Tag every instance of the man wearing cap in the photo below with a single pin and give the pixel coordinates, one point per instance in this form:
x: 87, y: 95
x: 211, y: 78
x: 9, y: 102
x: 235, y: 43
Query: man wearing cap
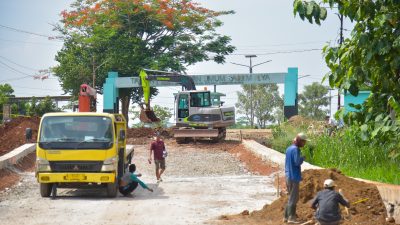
x: 157, y: 147
x: 293, y: 163
x: 327, y: 204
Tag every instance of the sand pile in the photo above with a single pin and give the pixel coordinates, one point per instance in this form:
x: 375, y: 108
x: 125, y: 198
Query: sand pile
x: 369, y: 212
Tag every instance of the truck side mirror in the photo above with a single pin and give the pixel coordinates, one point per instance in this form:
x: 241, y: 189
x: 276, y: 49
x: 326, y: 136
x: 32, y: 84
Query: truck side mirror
x: 122, y: 134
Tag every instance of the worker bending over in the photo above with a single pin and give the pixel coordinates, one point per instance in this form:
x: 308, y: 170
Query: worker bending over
x: 327, y: 204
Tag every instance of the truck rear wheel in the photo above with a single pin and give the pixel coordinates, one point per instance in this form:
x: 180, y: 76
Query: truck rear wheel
x: 112, y: 189
x: 45, y: 189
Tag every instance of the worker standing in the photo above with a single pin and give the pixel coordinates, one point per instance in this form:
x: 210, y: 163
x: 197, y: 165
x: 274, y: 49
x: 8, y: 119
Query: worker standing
x: 327, y: 204
x: 293, y: 163
x: 159, y: 151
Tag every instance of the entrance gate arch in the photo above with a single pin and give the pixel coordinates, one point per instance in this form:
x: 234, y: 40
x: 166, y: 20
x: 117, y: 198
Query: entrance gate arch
x: 289, y: 79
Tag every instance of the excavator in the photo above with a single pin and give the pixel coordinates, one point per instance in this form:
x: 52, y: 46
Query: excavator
x: 194, y: 114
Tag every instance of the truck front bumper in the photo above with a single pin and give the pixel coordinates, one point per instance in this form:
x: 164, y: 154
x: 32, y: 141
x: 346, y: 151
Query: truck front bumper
x: 76, y: 177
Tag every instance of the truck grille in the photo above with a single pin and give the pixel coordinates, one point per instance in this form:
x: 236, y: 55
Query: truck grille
x: 62, y: 166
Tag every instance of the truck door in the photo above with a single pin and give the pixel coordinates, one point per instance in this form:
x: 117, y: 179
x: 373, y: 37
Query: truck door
x: 183, y: 106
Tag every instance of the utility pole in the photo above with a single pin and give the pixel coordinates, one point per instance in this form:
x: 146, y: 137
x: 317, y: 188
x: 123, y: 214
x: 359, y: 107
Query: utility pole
x: 251, y: 92
x: 340, y: 44
x: 251, y: 86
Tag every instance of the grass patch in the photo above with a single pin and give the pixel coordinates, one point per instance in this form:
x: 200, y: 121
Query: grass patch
x: 345, y: 152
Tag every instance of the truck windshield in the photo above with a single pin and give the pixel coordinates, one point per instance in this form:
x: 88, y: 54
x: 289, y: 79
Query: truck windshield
x: 200, y: 99
x: 76, y: 132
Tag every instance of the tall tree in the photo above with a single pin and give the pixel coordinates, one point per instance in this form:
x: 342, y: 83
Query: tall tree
x: 266, y: 101
x: 128, y: 35
x: 370, y: 56
x: 312, y: 101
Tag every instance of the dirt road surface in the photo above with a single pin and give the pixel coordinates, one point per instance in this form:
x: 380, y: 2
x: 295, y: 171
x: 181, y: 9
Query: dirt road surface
x: 201, y: 183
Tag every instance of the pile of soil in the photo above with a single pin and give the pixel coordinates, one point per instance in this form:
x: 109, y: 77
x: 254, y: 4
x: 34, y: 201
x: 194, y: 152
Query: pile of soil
x: 9, y: 177
x: 12, y: 134
x: 144, y: 135
x: 369, y: 212
x: 251, y: 161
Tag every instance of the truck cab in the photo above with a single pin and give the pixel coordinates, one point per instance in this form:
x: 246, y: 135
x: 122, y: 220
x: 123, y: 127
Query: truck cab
x: 81, y: 149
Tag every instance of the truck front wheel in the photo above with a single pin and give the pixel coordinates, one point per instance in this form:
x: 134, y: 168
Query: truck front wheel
x: 112, y: 189
x: 45, y: 189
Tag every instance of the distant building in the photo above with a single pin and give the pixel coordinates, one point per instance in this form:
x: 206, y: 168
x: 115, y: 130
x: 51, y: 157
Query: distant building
x: 351, y: 99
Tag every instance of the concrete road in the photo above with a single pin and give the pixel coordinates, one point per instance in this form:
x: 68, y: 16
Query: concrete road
x: 176, y: 200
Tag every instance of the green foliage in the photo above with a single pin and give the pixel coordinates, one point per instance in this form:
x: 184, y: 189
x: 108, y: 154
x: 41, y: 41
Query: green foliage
x: 6, y: 92
x: 368, y: 59
x: 265, y: 101
x: 347, y: 152
x: 309, y: 10
x: 39, y: 108
x: 163, y: 113
x: 312, y: 100
x: 241, y: 123
x: 126, y: 36
x: 283, y: 136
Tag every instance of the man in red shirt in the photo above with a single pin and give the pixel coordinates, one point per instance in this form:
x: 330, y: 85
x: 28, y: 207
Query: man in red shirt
x: 159, y: 152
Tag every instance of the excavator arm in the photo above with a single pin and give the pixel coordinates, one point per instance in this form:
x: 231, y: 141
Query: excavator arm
x: 147, y: 115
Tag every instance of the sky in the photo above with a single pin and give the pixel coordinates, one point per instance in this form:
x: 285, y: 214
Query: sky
x: 265, y: 28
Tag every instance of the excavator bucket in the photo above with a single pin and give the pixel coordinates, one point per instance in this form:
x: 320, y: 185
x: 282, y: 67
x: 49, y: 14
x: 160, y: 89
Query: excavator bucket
x: 148, y: 116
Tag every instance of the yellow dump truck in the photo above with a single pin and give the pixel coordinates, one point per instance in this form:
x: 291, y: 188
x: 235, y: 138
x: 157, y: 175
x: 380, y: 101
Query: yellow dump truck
x: 81, y: 149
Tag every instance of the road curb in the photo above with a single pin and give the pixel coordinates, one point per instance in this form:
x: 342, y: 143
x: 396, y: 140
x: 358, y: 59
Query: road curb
x: 388, y: 192
x: 271, y: 155
x: 12, y: 157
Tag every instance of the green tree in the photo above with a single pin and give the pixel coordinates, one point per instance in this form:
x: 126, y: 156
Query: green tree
x: 369, y: 58
x: 126, y: 36
x: 265, y: 102
x: 39, y: 108
x: 241, y: 122
x: 312, y: 101
x: 6, y: 91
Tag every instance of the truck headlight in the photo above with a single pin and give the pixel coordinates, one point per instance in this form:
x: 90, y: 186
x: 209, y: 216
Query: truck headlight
x: 42, y: 165
x: 110, y: 164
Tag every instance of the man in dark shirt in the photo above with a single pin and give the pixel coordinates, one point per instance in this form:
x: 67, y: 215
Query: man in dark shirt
x: 293, y: 163
x: 157, y: 147
x: 327, y: 204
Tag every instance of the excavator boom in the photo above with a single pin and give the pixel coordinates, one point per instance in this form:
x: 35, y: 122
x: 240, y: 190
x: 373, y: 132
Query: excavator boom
x: 147, y: 115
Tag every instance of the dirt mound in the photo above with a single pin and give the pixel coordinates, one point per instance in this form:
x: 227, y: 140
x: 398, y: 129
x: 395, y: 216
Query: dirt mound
x: 144, y: 135
x: 12, y: 134
x: 369, y: 212
x: 299, y: 121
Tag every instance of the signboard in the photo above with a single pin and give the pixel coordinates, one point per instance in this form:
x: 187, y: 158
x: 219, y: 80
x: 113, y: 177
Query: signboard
x: 211, y: 79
